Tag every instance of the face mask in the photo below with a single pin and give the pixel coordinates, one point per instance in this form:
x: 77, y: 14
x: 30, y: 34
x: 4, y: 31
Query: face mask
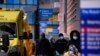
x: 71, y: 52
x: 61, y: 37
x: 75, y: 37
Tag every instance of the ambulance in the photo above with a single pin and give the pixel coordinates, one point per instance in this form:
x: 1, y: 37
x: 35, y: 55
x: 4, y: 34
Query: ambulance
x: 15, y: 33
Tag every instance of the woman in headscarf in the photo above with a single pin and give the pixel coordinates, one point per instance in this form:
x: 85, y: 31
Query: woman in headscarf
x: 73, y: 49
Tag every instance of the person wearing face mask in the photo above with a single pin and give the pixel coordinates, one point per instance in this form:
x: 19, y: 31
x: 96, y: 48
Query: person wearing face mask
x: 75, y: 39
x: 74, y: 44
x: 60, y: 45
x: 72, y: 51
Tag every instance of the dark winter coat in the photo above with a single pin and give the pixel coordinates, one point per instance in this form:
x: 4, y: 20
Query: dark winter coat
x: 60, y: 45
x: 44, y: 47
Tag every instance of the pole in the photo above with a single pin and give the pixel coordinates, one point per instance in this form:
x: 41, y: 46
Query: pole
x: 36, y: 27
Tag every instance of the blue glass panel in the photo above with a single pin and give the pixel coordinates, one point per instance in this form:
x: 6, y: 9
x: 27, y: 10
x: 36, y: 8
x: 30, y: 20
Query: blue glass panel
x: 30, y: 17
x: 28, y: 5
x: 29, y: 1
x: 16, y: 1
x: 35, y: 2
x: 9, y: 1
x: 9, y: 6
x: 22, y: 6
x: 16, y: 6
x: 2, y: 6
x: 32, y: 2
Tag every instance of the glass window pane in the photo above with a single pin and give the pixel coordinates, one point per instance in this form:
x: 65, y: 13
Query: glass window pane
x: 9, y: 6
x: 29, y: 1
x: 28, y: 5
x: 32, y: 2
x: 16, y: 6
x: 30, y: 17
x: 22, y: 6
x: 2, y: 6
x: 35, y: 2
x: 16, y: 1
x: 9, y: 1
x: 23, y: 1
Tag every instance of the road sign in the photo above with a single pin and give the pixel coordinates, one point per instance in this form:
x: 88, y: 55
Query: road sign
x: 54, y: 31
x: 43, y: 24
x: 42, y: 30
x: 90, y: 31
x: 54, y: 18
x: 45, y: 13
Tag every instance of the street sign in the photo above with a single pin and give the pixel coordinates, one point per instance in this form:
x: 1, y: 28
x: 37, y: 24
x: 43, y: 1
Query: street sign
x: 54, y: 18
x: 90, y: 31
x: 54, y: 31
x: 90, y: 27
x: 42, y: 30
x: 45, y: 13
x: 43, y: 24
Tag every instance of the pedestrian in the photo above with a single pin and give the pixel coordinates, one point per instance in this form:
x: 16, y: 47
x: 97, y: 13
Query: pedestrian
x: 52, y: 42
x: 75, y: 39
x: 72, y: 51
x: 44, y: 47
x: 60, y: 45
x: 74, y: 44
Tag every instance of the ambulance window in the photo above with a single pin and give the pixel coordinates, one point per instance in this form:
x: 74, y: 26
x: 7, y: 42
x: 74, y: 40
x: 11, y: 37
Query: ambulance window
x: 8, y: 28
